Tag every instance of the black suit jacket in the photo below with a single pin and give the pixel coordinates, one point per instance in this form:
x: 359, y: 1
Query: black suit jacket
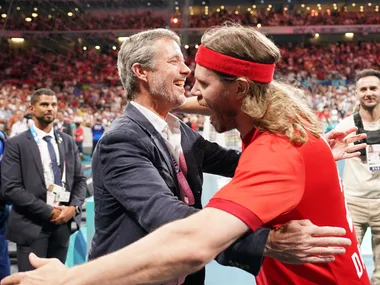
x: 23, y: 184
x: 66, y: 128
x: 136, y: 188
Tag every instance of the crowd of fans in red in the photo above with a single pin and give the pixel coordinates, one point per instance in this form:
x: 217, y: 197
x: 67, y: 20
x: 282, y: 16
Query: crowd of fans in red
x: 272, y: 18
x: 148, y: 19
x: 88, y: 86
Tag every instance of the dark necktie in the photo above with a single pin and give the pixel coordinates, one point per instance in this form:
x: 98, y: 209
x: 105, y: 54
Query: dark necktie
x: 54, y: 163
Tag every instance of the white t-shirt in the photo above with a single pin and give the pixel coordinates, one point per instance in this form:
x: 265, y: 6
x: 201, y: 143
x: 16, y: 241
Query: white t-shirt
x: 358, y: 180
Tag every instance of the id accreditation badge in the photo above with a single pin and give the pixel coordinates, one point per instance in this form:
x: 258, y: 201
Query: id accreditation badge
x: 373, y: 157
x: 64, y: 197
x: 52, y: 195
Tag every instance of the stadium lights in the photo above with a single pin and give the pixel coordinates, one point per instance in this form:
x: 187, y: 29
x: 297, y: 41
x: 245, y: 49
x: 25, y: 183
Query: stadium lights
x: 353, y: 4
x: 316, y: 35
x: 35, y: 9
x: 369, y: 4
x: 122, y: 39
x: 70, y: 14
x: 222, y: 7
x: 28, y: 19
x: 97, y: 47
x: 50, y: 16
x: 18, y: 8
x: 3, y: 16
x: 236, y: 12
x: 259, y: 25
x: 34, y: 15
x: 76, y: 9
x: 218, y: 10
x: 84, y: 48
x: 196, y: 46
x: 114, y: 47
x: 17, y: 40
x: 349, y: 35
x: 186, y: 46
x: 303, y: 5
x: 254, y: 6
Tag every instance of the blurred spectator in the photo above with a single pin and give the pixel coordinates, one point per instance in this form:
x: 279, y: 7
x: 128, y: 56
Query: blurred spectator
x: 61, y: 125
x: 20, y: 125
x: 97, y: 132
x: 79, y: 137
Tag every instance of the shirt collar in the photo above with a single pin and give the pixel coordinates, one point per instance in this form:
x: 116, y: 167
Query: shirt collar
x: 158, y: 123
x: 41, y: 134
x: 250, y: 137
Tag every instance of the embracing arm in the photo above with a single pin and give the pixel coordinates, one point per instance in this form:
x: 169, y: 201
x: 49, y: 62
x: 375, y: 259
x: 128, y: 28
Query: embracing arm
x: 191, y: 106
x: 176, y: 249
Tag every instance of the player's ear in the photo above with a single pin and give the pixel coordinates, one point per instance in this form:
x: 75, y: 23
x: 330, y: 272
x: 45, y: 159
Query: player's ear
x: 242, y: 87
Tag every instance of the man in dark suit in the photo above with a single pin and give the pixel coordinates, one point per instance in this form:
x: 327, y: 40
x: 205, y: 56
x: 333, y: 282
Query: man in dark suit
x: 35, y: 163
x: 62, y: 126
x: 138, y: 169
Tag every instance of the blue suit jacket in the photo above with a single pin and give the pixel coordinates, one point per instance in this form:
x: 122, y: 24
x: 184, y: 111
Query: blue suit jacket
x: 136, y: 188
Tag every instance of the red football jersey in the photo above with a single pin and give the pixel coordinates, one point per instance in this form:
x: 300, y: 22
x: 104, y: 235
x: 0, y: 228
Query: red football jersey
x: 276, y: 182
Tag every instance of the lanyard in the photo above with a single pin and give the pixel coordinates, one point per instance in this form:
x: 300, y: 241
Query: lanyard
x: 38, y: 142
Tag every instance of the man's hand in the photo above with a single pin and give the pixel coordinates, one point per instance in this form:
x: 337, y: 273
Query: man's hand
x: 66, y: 213
x: 49, y: 271
x: 54, y: 213
x: 339, y: 143
x: 299, y: 242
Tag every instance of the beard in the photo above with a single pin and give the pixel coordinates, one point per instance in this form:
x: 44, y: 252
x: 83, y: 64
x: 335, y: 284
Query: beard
x: 45, y: 120
x: 224, y: 123
x: 160, y: 91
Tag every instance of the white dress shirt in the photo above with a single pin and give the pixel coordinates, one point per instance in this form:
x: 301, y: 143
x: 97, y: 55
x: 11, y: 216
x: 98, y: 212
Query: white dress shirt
x: 169, y: 129
x: 45, y: 155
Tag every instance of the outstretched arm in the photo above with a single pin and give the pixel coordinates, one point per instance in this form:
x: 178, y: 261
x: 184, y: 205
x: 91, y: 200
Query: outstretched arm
x: 177, y: 249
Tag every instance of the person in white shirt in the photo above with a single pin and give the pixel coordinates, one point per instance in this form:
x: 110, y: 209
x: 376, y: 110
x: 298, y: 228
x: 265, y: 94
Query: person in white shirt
x: 20, y: 125
x: 361, y: 185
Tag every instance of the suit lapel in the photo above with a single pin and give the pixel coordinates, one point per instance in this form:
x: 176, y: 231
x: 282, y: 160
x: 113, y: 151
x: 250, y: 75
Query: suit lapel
x: 187, y: 148
x: 134, y: 114
x: 36, y: 156
x: 61, y: 148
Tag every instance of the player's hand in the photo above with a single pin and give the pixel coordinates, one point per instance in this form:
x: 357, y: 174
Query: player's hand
x: 48, y: 271
x: 340, y: 143
x: 299, y: 242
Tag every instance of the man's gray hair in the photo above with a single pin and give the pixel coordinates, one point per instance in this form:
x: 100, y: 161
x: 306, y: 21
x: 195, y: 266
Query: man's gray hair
x: 140, y: 48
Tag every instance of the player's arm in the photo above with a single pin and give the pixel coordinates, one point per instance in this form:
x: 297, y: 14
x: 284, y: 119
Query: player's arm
x: 176, y: 249
x: 191, y: 106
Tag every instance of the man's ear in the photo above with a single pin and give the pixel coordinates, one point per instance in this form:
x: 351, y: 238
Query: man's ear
x: 140, y: 72
x: 242, y: 87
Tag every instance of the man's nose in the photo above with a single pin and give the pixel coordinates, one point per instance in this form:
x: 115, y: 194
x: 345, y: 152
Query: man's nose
x: 185, y: 69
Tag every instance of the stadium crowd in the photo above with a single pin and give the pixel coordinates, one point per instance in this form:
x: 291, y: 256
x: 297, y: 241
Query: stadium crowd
x: 88, y: 86
x: 143, y: 20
